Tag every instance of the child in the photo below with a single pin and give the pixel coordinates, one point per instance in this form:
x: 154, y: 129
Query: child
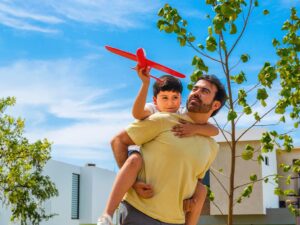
x: 166, y: 98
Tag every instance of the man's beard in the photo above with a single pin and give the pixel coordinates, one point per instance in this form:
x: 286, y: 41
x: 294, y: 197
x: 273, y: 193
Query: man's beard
x: 199, y: 106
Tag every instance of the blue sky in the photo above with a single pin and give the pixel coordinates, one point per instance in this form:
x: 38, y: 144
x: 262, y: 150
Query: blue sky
x: 70, y: 90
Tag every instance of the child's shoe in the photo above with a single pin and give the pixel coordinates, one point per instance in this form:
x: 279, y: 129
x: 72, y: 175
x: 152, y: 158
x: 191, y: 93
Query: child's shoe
x: 105, y: 220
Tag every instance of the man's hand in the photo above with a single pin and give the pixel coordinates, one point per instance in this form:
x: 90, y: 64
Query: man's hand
x: 142, y: 189
x: 185, y: 129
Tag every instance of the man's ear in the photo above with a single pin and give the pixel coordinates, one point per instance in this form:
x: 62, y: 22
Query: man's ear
x: 154, y: 100
x: 216, y: 105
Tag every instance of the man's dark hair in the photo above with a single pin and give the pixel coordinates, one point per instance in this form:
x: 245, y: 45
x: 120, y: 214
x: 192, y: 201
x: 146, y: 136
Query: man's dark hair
x: 220, y: 95
x: 167, y: 83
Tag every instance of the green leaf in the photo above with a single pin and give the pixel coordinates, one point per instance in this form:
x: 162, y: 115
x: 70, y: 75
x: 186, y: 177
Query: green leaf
x: 245, y: 58
x: 247, y: 191
x: 260, y: 158
x: 256, y: 3
x: 233, y: 29
x: 275, y: 42
x: 256, y: 116
x: 278, y: 191
x: 200, y: 46
x: 262, y: 94
x: 211, y: 44
x: 247, y: 110
x: 210, y: 31
x: 161, y: 12
x: 253, y: 177
x: 231, y: 115
x: 227, y: 10
x: 266, y: 12
x: 223, y: 45
x: 191, y: 39
x: 247, y: 155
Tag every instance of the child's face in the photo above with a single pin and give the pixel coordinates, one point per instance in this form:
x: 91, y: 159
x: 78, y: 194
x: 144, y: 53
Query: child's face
x: 167, y: 101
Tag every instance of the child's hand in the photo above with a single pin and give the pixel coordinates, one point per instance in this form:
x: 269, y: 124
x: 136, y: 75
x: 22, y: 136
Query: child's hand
x: 142, y: 189
x: 189, y: 204
x: 143, y: 74
x: 185, y: 129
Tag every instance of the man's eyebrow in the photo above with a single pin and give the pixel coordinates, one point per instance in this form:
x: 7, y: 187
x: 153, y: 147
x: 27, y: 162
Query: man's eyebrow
x: 204, y: 88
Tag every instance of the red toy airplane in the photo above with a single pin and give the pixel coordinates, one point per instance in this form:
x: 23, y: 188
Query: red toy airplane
x: 140, y: 57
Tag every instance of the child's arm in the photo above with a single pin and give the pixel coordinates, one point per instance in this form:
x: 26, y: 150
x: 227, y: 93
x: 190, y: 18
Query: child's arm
x: 138, y: 110
x: 187, y: 129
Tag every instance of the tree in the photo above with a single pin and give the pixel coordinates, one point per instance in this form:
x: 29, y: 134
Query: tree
x: 23, y: 187
x: 229, y: 19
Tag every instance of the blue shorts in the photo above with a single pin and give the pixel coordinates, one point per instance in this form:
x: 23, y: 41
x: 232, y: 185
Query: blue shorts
x: 133, y: 149
x: 131, y: 216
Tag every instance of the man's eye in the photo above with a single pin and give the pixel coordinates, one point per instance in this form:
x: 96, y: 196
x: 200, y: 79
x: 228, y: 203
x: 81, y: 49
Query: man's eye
x: 205, y: 91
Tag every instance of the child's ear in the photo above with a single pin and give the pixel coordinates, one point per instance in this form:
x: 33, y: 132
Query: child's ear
x: 154, y: 100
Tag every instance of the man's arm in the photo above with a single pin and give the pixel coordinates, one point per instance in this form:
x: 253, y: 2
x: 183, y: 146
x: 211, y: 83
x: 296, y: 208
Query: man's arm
x: 194, y: 205
x: 119, y: 145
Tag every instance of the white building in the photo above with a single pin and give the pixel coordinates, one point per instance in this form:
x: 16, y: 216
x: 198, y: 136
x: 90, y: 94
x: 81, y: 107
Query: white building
x: 83, y: 192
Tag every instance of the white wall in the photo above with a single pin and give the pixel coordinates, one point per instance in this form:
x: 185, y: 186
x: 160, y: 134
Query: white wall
x: 61, y: 175
x: 95, y: 186
x: 100, y: 182
x: 270, y: 200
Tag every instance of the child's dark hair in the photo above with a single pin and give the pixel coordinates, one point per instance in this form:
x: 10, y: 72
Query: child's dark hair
x: 167, y: 83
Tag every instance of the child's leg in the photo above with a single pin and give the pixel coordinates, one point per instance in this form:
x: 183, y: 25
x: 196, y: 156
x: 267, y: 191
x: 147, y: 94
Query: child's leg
x: 124, y: 180
x: 192, y: 217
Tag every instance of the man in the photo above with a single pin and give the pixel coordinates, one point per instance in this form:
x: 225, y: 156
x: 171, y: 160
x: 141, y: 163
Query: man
x: 172, y: 165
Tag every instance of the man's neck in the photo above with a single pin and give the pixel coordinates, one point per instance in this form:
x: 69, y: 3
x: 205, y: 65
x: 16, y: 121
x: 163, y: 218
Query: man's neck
x: 200, y: 118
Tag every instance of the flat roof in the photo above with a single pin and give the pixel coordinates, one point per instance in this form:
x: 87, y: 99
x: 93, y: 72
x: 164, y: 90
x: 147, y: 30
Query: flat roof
x: 253, y: 134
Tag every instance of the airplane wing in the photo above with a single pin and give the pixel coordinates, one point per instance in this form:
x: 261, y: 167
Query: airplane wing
x: 164, y: 69
x: 149, y: 62
x: 121, y: 53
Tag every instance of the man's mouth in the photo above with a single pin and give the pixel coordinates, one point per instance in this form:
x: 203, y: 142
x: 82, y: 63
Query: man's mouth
x: 195, y: 99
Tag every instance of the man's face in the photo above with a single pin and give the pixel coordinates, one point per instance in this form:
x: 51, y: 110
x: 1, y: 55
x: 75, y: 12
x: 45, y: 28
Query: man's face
x: 167, y: 101
x: 201, y: 98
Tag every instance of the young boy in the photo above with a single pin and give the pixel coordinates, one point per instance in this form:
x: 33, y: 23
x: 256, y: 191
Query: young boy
x: 166, y: 98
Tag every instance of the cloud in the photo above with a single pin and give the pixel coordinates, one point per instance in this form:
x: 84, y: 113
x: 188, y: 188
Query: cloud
x: 36, y: 15
x: 59, y: 104
x: 26, y: 19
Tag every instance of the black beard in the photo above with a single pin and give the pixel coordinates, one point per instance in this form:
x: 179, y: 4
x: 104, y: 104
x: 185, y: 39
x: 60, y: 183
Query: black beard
x: 200, y: 107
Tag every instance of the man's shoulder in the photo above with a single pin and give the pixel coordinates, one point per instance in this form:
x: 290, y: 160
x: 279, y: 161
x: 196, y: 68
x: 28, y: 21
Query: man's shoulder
x: 161, y: 116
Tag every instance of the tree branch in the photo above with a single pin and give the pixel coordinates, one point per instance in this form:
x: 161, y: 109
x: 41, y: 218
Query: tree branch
x: 220, y: 183
x: 222, y: 131
x: 220, y: 54
x: 249, y: 128
x: 202, y: 53
x: 217, y: 207
x: 235, y: 65
x: 252, y: 182
x: 244, y: 27
x: 248, y: 91
x: 211, y: 168
x: 240, y: 116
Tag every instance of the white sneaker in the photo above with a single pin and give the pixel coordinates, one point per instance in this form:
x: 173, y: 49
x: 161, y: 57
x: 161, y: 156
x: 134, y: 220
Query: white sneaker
x: 105, y: 220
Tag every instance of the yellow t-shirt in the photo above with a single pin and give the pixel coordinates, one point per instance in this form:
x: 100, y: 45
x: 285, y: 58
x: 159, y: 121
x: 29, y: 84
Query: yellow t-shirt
x: 172, y: 165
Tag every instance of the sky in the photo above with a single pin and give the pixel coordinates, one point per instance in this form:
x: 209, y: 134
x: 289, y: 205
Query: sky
x: 73, y: 92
